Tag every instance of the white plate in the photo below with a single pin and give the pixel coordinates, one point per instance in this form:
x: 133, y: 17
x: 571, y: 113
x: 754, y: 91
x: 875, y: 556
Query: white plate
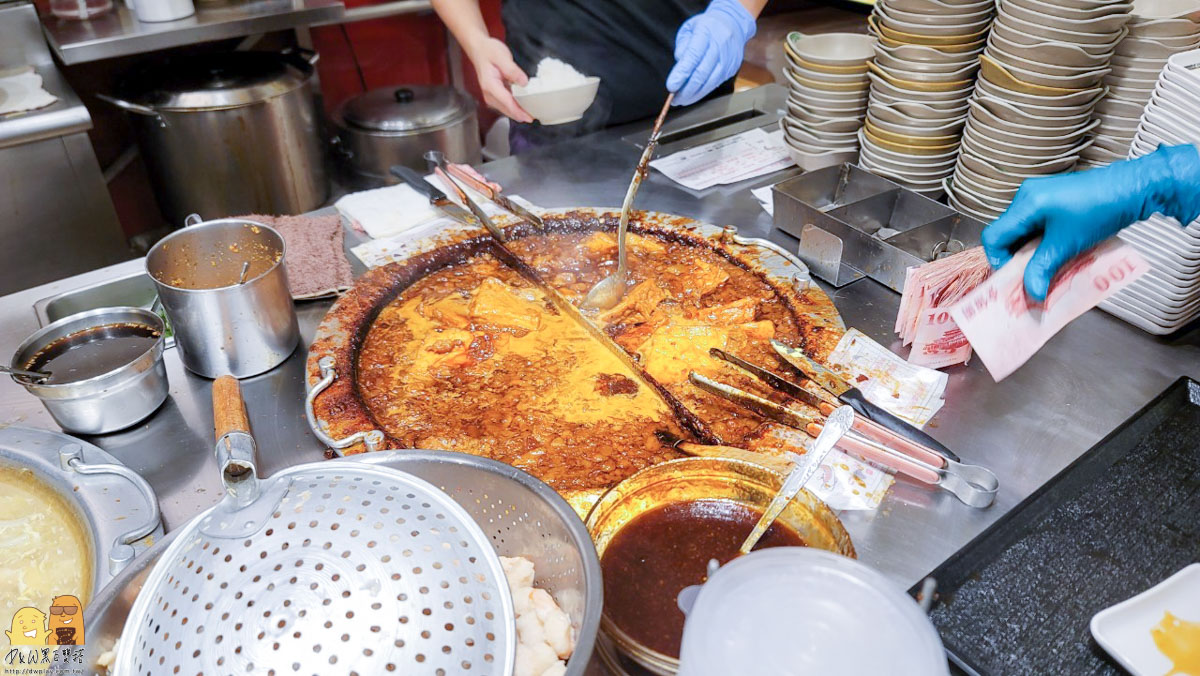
x: 1132, y: 318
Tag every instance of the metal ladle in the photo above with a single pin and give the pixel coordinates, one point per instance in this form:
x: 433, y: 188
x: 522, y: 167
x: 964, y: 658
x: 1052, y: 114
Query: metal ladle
x: 609, y: 291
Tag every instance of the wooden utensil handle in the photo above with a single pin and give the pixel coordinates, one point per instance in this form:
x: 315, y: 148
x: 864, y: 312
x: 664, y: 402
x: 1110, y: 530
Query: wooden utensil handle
x: 229, y: 411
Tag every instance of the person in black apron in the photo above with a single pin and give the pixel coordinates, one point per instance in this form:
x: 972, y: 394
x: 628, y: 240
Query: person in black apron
x: 640, y: 49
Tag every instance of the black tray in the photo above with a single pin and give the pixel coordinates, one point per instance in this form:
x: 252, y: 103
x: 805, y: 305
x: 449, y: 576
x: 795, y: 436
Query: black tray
x: 1120, y: 519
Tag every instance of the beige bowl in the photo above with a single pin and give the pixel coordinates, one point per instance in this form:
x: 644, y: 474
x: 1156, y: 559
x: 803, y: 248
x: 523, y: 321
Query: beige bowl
x: 933, y: 24
x: 813, y: 159
x: 955, y: 95
x: 927, y: 56
x: 919, y: 172
x: 885, y: 60
x: 1016, y: 114
x: 948, y: 130
x: 930, y: 160
x: 1020, y: 59
x: 819, y: 139
x: 955, y: 40
x: 843, y: 50
x: 1125, y: 74
x: 944, y: 18
x: 909, y: 148
x: 1029, y: 82
x: 1009, y: 141
x: 1054, y: 133
x: 1019, y: 36
x: 1019, y: 157
x: 1048, y: 75
x: 1166, y: 9
x: 953, y: 107
x: 940, y: 7
x: 987, y: 210
x: 846, y: 89
x: 817, y: 123
x: 1054, y: 166
x: 859, y: 79
x: 1146, y: 48
x: 1154, y: 64
x: 1046, y: 30
x: 850, y: 108
x: 902, y: 136
x: 990, y: 185
x: 1059, y: 53
x: 1119, y: 108
x: 1130, y: 94
x: 966, y: 47
x: 1066, y: 11
x: 1108, y: 24
x: 1162, y: 28
x: 885, y: 114
x: 922, y: 86
x: 798, y: 62
x: 902, y: 70
x: 1077, y: 98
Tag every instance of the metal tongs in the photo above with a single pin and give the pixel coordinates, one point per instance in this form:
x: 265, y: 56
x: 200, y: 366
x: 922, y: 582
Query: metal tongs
x: 973, y: 485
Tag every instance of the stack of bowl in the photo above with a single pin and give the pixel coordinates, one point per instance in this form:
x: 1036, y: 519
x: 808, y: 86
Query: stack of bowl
x: 1157, y: 29
x: 1040, y: 78
x: 921, y: 77
x: 827, y: 80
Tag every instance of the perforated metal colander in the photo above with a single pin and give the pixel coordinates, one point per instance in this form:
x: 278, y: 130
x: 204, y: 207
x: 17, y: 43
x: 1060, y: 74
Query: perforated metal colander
x: 323, y: 568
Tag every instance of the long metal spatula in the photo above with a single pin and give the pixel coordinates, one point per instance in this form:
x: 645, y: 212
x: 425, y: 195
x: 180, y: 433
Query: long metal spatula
x: 330, y: 567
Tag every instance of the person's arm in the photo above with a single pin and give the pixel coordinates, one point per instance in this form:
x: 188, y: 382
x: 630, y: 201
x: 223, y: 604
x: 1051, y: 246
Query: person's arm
x: 494, y: 65
x: 709, y: 48
x: 1074, y: 212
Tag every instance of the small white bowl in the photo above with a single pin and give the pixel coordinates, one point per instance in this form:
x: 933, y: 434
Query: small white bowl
x: 558, y: 106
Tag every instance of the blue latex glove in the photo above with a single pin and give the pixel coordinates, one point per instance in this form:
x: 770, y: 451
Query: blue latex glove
x: 708, y: 50
x: 1074, y: 212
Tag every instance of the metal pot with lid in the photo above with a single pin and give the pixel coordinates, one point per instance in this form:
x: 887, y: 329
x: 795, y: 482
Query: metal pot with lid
x: 397, y: 125
x: 230, y: 134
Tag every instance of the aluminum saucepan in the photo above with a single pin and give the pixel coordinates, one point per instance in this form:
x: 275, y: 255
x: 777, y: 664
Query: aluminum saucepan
x: 226, y: 322
x: 107, y: 402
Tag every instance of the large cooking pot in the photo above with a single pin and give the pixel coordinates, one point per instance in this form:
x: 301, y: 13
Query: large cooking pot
x: 230, y: 134
x: 397, y: 125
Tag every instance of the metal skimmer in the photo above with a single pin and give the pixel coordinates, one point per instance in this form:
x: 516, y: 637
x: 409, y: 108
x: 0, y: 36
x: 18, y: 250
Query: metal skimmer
x: 323, y: 568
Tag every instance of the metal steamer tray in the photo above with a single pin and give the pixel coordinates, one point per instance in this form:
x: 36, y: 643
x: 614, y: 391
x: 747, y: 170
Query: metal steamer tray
x: 329, y: 360
x: 520, y: 515
x: 118, y: 509
x: 1018, y: 599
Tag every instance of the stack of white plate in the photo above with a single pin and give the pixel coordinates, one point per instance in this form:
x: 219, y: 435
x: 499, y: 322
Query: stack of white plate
x: 827, y: 98
x: 921, y: 78
x: 1158, y: 29
x: 1168, y: 296
x: 1040, y: 78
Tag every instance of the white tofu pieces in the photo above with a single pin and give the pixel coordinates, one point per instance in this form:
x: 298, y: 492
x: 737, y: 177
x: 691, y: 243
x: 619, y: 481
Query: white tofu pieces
x: 544, y: 635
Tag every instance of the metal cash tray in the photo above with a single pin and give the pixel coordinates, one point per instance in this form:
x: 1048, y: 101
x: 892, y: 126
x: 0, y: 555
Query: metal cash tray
x: 1018, y: 598
x: 838, y: 212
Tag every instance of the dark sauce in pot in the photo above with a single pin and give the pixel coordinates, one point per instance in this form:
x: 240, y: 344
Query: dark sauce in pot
x: 650, y: 560
x: 92, y: 352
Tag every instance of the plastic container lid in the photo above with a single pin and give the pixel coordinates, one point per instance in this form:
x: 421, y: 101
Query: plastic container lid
x: 409, y: 108
x: 797, y: 610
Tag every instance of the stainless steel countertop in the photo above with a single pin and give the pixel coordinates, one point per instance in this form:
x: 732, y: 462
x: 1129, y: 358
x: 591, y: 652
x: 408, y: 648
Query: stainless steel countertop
x: 1082, y: 385
x: 119, y: 33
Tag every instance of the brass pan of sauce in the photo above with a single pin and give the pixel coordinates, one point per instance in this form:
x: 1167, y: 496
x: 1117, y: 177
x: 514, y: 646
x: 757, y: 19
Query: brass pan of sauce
x: 720, y: 494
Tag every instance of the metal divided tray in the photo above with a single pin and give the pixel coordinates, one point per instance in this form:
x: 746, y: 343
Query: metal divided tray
x: 1018, y: 599
x: 852, y: 223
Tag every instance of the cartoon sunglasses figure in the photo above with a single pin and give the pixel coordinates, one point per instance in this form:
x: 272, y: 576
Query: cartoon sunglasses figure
x: 66, y: 621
